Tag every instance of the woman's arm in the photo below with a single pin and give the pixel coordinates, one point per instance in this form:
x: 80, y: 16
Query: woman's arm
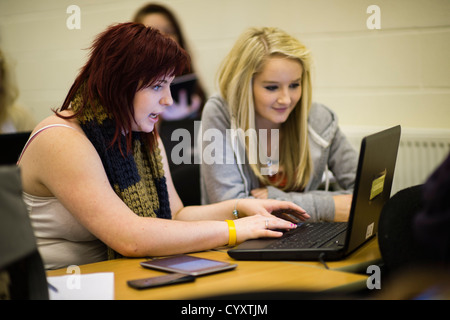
x: 61, y: 162
x: 321, y: 205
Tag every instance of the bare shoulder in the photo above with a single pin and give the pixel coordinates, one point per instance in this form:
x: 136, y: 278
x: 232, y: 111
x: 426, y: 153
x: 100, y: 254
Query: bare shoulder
x: 59, y: 150
x: 54, y: 137
x: 55, y: 121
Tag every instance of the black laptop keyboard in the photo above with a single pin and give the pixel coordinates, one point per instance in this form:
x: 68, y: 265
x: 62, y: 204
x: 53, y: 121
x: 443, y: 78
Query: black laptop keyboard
x: 309, y: 235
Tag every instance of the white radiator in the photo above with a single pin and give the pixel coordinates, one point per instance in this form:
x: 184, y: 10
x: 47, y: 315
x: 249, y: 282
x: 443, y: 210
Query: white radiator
x: 420, y: 152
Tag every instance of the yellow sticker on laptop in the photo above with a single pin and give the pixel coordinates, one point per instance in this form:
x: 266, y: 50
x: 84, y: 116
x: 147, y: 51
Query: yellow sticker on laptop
x: 378, y: 185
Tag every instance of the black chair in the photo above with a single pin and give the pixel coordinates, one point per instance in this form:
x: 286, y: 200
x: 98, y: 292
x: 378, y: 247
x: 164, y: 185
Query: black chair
x: 186, y: 178
x: 399, y: 247
x: 22, y: 273
x: 11, y: 145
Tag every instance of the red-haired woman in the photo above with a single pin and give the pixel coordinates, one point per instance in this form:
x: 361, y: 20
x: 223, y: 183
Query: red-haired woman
x: 95, y: 174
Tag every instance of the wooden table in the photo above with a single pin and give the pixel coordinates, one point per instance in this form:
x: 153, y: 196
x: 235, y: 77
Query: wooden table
x: 249, y: 276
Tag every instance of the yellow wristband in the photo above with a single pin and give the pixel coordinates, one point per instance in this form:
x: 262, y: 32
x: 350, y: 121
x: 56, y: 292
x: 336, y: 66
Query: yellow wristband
x: 231, y: 233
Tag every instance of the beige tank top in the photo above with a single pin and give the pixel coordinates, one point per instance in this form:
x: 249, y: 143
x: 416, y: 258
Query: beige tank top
x: 61, y: 239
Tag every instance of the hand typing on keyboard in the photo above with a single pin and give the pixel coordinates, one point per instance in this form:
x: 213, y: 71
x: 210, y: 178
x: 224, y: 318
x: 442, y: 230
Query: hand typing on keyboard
x: 291, y: 215
x: 285, y: 210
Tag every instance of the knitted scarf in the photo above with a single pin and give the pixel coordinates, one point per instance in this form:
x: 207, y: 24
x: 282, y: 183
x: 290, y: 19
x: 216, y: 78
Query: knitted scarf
x: 137, y: 177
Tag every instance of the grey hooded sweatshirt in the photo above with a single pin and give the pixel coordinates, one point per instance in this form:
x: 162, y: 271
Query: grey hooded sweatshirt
x: 229, y: 175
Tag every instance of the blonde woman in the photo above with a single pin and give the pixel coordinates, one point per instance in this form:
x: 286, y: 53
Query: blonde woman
x: 276, y: 143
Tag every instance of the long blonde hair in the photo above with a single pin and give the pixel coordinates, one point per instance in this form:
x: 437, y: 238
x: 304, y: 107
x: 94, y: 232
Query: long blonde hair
x: 235, y: 79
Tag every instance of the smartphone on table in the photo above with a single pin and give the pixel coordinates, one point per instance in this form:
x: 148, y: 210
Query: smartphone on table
x: 159, y: 281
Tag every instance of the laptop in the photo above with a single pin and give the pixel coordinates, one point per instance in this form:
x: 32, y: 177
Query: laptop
x: 373, y: 183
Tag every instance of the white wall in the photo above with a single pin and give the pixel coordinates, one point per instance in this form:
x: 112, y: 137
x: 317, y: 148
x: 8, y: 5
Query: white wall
x: 398, y: 74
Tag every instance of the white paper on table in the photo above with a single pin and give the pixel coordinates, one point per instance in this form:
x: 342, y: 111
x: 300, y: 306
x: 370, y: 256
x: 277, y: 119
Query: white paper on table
x: 92, y: 286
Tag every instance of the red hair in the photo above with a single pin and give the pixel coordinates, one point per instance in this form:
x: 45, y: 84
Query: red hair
x: 125, y: 58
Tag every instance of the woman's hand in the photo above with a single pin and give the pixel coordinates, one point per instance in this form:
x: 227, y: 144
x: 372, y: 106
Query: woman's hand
x: 260, y: 193
x: 258, y: 226
x: 283, y: 209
